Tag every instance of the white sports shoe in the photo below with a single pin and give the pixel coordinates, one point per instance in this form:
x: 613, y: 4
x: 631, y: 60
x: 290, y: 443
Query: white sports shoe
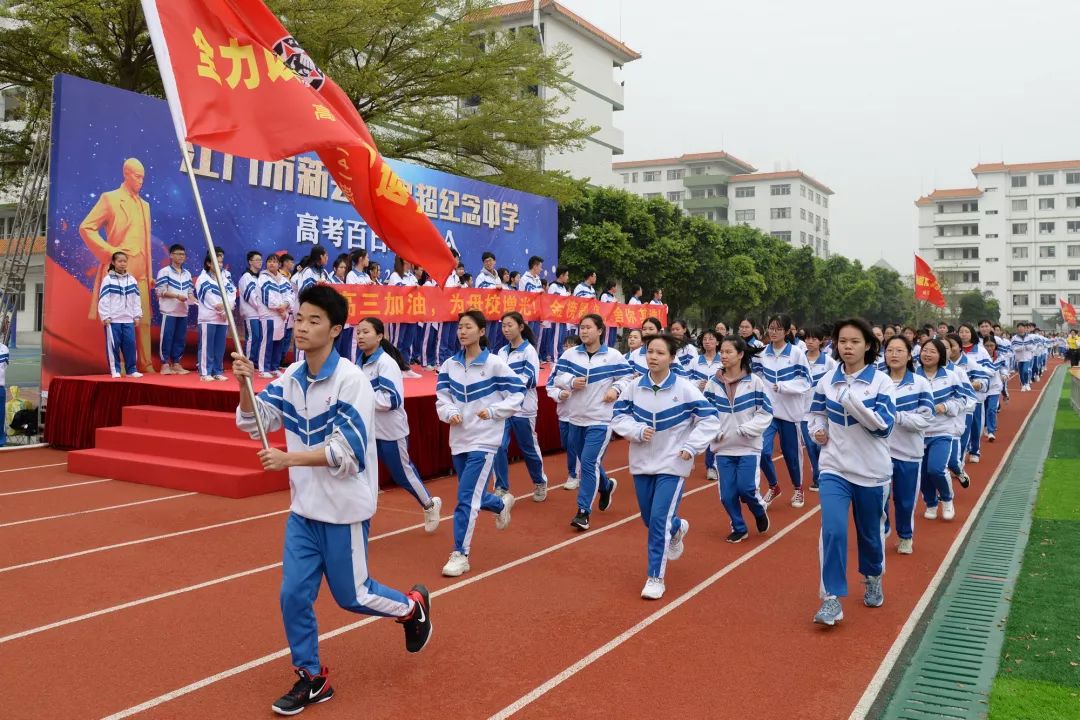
x: 135, y: 375
x: 710, y: 474
x: 571, y: 483
x: 654, y: 589
x: 906, y: 546
x: 931, y: 513
x: 539, y: 492
x: 431, y: 515
x: 798, y: 499
x: 503, y: 518
x: 974, y: 459
x: 675, y: 545
x: 116, y: 375
x: 948, y: 512
x: 266, y: 375
x: 458, y: 564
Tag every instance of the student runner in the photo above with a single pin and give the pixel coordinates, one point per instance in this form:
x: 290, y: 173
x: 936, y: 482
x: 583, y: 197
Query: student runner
x: 821, y: 365
x: 687, y: 354
x: 999, y: 376
x: 704, y: 367
x: 636, y: 358
x: 573, y: 465
x: 950, y: 400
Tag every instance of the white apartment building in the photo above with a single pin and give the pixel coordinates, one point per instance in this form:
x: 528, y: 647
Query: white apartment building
x: 1015, y: 234
x: 596, y: 61
x: 789, y: 204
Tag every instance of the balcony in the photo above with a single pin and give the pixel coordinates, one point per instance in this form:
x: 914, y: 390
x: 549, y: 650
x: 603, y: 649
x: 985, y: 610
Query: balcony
x: 707, y: 203
x: 708, y: 180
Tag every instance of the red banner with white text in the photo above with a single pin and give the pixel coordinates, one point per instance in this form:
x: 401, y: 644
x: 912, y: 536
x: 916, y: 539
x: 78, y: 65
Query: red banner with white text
x: 433, y: 304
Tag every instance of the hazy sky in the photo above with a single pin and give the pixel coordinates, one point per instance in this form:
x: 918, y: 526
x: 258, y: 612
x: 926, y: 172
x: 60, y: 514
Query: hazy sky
x: 880, y: 103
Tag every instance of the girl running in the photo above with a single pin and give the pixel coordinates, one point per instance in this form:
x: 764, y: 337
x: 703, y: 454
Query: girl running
x: 746, y: 332
x: 704, y: 367
x: 213, y: 326
x: 636, y: 358
x: 475, y: 393
x: 999, y: 376
x: 745, y: 413
x: 821, y: 365
x: 120, y: 307
x: 382, y: 364
x: 687, y: 354
x: 958, y: 365
x: 573, y: 465
x: 852, y: 417
x: 977, y: 365
x: 667, y: 421
x: 950, y: 401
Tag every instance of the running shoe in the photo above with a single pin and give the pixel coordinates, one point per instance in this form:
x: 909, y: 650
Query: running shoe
x: 605, y: 497
x: 798, y: 499
x: 874, y: 595
x: 221, y: 378
x: 964, y: 479
x: 539, y: 492
x: 502, y: 520
x: 135, y: 375
x: 711, y: 474
x: 500, y: 492
x: 458, y: 564
x: 948, y: 512
x: 906, y: 546
x: 418, y: 622
x: 654, y: 589
x: 581, y: 521
x: 973, y: 459
x: 990, y: 437
x: 431, y: 515
x: 931, y: 513
x: 571, y: 483
x: 773, y: 493
x: 206, y: 378
x: 830, y: 612
x: 736, y: 536
x: 762, y: 523
x: 308, y: 690
x: 675, y: 545
x: 814, y: 486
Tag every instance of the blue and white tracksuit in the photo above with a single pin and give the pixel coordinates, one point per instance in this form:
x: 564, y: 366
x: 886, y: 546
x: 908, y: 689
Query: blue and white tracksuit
x: 5, y: 359
x: 979, y: 370
x: 250, y: 312
x: 275, y: 295
x: 332, y: 506
x: 636, y: 360
x: 998, y: 378
x: 531, y: 284
x: 682, y: 421
x: 612, y: 332
x: 174, y: 312
x: 523, y: 361
x: 1023, y: 347
x: 392, y: 424
x: 943, y: 433
x: 428, y: 338
x: 119, y: 302
x: 699, y: 373
x: 914, y: 400
x: 464, y: 388
x: 448, y: 342
x: 858, y: 415
x: 686, y: 356
x: 213, y: 325
x: 490, y: 281
x: 553, y: 347
x: 786, y: 375
x: 588, y: 414
x: 572, y: 462
x: 745, y: 413
x: 958, y: 453
x: 822, y: 365
x: 1042, y: 351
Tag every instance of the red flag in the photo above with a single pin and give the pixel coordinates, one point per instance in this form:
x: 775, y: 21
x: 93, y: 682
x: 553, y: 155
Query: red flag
x: 1068, y: 312
x: 237, y: 82
x: 926, y: 284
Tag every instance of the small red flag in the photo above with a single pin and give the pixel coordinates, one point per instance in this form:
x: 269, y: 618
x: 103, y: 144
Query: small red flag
x: 239, y: 83
x: 926, y: 284
x: 1068, y: 312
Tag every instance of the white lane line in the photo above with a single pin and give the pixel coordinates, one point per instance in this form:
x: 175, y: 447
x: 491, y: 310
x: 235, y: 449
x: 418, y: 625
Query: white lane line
x: 201, y: 586
x: 32, y: 467
x: 96, y: 510
x: 869, y: 696
x: 53, y: 487
x: 678, y: 602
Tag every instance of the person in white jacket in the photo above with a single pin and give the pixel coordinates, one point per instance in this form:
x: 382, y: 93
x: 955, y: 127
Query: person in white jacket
x: 821, y: 364
x: 950, y: 403
x: 275, y: 301
x: 213, y: 325
x: 251, y: 307
x: 559, y: 396
x: 745, y: 413
x: 520, y: 355
x: 326, y: 406
x: 668, y: 422
x: 175, y: 292
x: 475, y: 393
x: 119, y: 308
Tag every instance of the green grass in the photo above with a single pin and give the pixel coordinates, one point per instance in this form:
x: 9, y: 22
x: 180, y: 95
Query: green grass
x: 1016, y: 699
x: 1059, y: 491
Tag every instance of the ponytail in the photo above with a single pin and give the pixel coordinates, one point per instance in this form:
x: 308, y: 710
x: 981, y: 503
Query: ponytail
x: 526, y: 331
x: 387, y: 347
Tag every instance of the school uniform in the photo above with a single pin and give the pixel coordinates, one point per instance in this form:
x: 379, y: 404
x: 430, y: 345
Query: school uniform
x: 250, y: 306
x: 120, y: 303
x: 699, y: 373
x: 612, y: 332
x: 213, y: 323
x: 823, y: 365
x: 572, y: 463
x: 686, y: 357
x: 914, y: 401
x: 5, y: 360
x: 290, y: 321
x: 977, y: 364
x: 958, y: 452
x: 941, y: 434
x: 490, y: 281
x: 585, y: 290
x: 428, y: 337
x: 636, y: 360
x: 999, y: 376
x: 786, y: 376
x: 1023, y: 347
x: 558, y: 331
x: 448, y: 342
x: 174, y: 312
x: 682, y: 421
x: 525, y: 363
x: 745, y: 412
x: 274, y: 294
x: 531, y: 284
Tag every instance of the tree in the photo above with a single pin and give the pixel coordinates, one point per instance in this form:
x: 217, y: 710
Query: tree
x: 437, y: 85
x: 976, y: 306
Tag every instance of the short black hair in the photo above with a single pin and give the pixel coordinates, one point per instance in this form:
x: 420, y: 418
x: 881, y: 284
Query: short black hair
x: 873, y: 345
x: 176, y: 246
x: 487, y: 254
x: 285, y: 257
x: 329, y: 301
x: 561, y: 270
x: 534, y: 260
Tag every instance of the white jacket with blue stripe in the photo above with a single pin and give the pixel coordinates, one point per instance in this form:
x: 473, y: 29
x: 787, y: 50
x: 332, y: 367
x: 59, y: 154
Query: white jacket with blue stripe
x: 525, y: 363
x: 208, y: 295
x: 169, y: 280
x: 248, y: 288
x: 382, y: 371
x: 787, y: 380
x: 858, y: 415
x: 638, y: 362
x: 824, y: 364
x: 914, y: 400
x: 331, y: 412
x: 701, y: 369
x: 743, y: 420
x: 486, y: 383
x: 679, y: 414
x: 948, y: 389
x: 1023, y: 347
x: 118, y: 299
x: 977, y: 365
x: 606, y: 369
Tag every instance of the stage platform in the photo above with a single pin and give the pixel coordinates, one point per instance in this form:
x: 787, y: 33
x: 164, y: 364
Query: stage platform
x: 80, y: 406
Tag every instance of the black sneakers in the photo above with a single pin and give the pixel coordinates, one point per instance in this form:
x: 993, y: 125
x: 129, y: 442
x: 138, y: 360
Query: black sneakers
x: 605, y: 497
x: 581, y: 521
x: 737, y: 537
x: 762, y: 523
x: 418, y: 624
x: 308, y: 690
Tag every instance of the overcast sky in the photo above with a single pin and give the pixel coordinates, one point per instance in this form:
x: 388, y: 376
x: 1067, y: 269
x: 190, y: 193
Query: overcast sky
x: 882, y: 104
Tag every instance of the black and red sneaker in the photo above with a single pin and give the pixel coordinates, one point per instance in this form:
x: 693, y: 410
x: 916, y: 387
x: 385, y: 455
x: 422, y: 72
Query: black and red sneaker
x: 308, y: 690
x: 418, y: 623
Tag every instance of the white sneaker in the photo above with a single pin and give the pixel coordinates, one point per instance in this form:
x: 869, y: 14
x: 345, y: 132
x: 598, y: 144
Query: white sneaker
x: 503, y: 518
x: 798, y: 499
x: 654, y: 589
x: 458, y: 564
x: 116, y: 375
x: 500, y: 492
x: 266, y: 375
x: 411, y: 374
x: 431, y: 515
x: 166, y: 370
x: 710, y: 474
x: 135, y: 375
x: 948, y: 512
x: 571, y: 483
x: 973, y: 459
x: 675, y: 545
x: 906, y: 546
x: 990, y: 437
x: 221, y: 378
x: 539, y: 492
x: 206, y: 378
x: 931, y: 513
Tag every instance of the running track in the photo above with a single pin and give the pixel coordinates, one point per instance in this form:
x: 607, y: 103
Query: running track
x: 127, y: 600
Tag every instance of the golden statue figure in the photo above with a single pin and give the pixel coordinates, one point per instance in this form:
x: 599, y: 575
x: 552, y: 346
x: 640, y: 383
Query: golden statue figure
x: 125, y: 217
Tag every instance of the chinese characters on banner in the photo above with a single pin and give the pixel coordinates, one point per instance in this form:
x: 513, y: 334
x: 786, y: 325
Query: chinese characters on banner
x: 432, y: 304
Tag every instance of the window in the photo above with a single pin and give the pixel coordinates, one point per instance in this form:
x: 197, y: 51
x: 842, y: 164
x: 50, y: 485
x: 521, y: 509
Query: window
x: 744, y: 215
x: 39, y: 306
x: 969, y: 277
x: 1074, y: 276
x: 802, y: 190
x: 1019, y: 181
x: 991, y: 212
x: 991, y: 235
x: 957, y: 230
x: 676, y: 174
x: 1019, y: 229
x: 651, y: 176
x: 1046, y: 179
x: 990, y: 260
x: 802, y: 236
x: 744, y: 192
x: 1073, y: 226
x: 1072, y: 178
x: 817, y: 198
x: 675, y: 196
x: 824, y: 201
x: 626, y: 178
x: 633, y: 177
x: 780, y: 189
x: 1046, y: 299
x: 1046, y: 203
x: 970, y: 253
x: 989, y: 189
x: 780, y: 213
x: 992, y: 283
x: 650, y: 196
x: 1020, y: 276
x: 1020, y: 253
x: 1046, y: 228
x: 784, y: 235
x: 1073, y: 299
x: 1047, y: 251
x: 1019, y: 205
x: 1020, y: 300
x: 802, y: 213
x: 1072, y: 250
x: 697, y: 194
x: 941, y: 253
x: 1047, y: 275
x: 969, y: 207
x: 1072, y: 202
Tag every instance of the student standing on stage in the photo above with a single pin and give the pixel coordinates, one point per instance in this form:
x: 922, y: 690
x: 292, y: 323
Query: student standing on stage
x: 288, y: 267
x: 687, y: 354
x: 314, y: 268
x: 251, y: 307
x: 559, y: 331
x: 488, y: 279
x: 475, y: 393
x: 573, y: 465
x: 706, y: 365
x: 213, y: 323
x: 119, y: 308
x: 852, y: 417
x: 335, y: 485
x: 273, y: 307
x: 636, y: 358
x: 175, y: 292
x: 448, y: 344
x: 382, y: 364
x: 595, y: 375
x: 608, y: 296
x: 745, y: 413
x: 821, y: 365
x: 950, y: 400
x: 587, y: 287
x: 635, y: 296
x: 999, y: 375
x: 786, y: 374
x: 914, y: 401
x: 667, y: 421
x: 530, y: 282
x: 429, y: 331
x: 346, y: 341
x: 358, y: 274
x: 519, y: 354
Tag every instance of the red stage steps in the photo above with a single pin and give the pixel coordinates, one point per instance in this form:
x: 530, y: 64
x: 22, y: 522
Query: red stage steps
x: 196, y: 450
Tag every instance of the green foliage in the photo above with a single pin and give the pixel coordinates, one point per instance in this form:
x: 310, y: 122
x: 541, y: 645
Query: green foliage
x: 976, y: 306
